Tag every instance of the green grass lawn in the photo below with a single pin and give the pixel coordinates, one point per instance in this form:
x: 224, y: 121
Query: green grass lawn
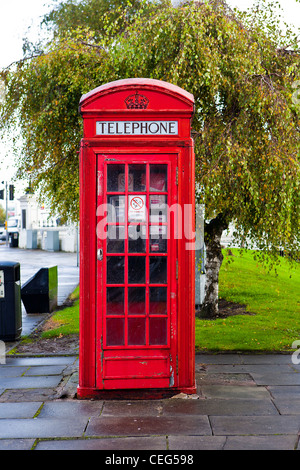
x: 65, y: 321
x: 275, y: 301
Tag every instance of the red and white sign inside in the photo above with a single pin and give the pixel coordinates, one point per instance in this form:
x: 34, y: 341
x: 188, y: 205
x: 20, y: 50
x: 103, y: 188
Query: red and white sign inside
x: 137, y: 208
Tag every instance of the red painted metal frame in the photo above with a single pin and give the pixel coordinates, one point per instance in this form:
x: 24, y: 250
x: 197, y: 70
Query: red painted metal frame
x: 166, y: 102
x: 139, y: 365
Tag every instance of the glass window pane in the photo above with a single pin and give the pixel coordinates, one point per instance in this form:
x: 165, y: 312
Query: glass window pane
x: 116, y: 209
x: 115, y: 239
x: 137, y: 238
x: 158, y: 208
x: 115, y: 301
x: 136, y: 269
x: 116, y: 178
x: 115, y: 332
x: 136, y: 301
x: 137, y: 178
x: 158, y: 331
x: 158, y: 301
x: 158, y: 270
x: 115, y: 270
x: 137, y: 331
x: 158, y: 239
x: 158, y: 178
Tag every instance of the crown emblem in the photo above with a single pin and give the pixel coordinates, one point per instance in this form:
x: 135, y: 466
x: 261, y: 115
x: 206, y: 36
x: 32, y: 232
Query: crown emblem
x: 137, y: 101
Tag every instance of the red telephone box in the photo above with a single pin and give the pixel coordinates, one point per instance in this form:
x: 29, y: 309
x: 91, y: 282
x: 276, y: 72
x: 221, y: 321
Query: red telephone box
x: 137, y: 259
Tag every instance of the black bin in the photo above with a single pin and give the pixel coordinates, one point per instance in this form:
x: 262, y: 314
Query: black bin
x: 39, y: 293
x: 10, y: 301
x: 14, y: 240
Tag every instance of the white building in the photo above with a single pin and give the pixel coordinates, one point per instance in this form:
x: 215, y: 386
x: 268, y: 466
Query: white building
x: 41, y: 230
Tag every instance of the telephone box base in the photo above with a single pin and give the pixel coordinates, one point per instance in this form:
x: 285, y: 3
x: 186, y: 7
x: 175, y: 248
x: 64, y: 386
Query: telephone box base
x: 132, y: 394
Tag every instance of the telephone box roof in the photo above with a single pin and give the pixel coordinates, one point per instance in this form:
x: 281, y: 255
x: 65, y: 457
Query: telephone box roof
x: 133, y: 83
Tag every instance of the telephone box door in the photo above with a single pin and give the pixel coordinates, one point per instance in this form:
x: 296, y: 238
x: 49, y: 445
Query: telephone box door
x: 136, y: 271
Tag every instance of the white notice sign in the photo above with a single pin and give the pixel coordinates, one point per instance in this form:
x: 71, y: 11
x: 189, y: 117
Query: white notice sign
x: 137, y: 128
x: 137, y: 208
x: 2, y: 293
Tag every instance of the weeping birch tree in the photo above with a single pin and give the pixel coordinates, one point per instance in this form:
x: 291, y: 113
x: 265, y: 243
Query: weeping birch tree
x: 244, y: 73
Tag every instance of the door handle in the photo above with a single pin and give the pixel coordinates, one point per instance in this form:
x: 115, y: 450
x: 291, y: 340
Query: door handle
x: 100, y: 254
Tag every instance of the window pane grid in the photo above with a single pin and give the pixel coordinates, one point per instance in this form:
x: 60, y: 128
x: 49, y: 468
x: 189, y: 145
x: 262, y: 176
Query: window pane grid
x: 144, y: 321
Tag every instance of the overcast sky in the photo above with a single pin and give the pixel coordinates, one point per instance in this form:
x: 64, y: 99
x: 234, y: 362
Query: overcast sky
x: 16, y: 17
x: 19, y: 15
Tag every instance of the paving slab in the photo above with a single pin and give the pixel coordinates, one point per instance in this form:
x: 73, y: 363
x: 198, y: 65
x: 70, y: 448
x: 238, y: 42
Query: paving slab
x: 287, y: 391
x: 261, y: 443
x: 248, y: 368
x: 254, y: 425
x: 125, y: 443
x: 266, y: 359
x: 251, y: 359
x: 30, y: 382
x: 238, y: 392
x: 16, y: 444
x: 275, y: 378
x: 26, y: 395
x: 219, y: 407
x: 288, y: 406
x: 39, y: 361
x: 19, y: 410
x: 65, y: 409
x: 133, y: 408
x: 41, y: 428
x: 12, y: 371
x: 44, y: 370
x: 218, y: 359
x: 203, y: 378
x: 196, y: 442
x: 136, y: 426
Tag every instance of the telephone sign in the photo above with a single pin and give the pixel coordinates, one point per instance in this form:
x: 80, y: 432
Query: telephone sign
x: 137, y: 128
x: 137, y: 306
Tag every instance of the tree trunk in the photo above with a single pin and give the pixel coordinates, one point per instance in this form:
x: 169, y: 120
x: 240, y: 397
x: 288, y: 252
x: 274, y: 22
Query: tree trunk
x: 214, y: 258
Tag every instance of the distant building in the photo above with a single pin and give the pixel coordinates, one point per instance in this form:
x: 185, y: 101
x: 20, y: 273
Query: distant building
x: 37, y: 223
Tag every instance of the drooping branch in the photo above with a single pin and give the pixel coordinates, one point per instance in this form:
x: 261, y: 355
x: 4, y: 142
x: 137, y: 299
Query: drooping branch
x: 24, y: 59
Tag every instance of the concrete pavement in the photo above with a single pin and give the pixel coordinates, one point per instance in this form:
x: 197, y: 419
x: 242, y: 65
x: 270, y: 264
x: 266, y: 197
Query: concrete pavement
x: 33, y: 260
x: 245, y: 402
